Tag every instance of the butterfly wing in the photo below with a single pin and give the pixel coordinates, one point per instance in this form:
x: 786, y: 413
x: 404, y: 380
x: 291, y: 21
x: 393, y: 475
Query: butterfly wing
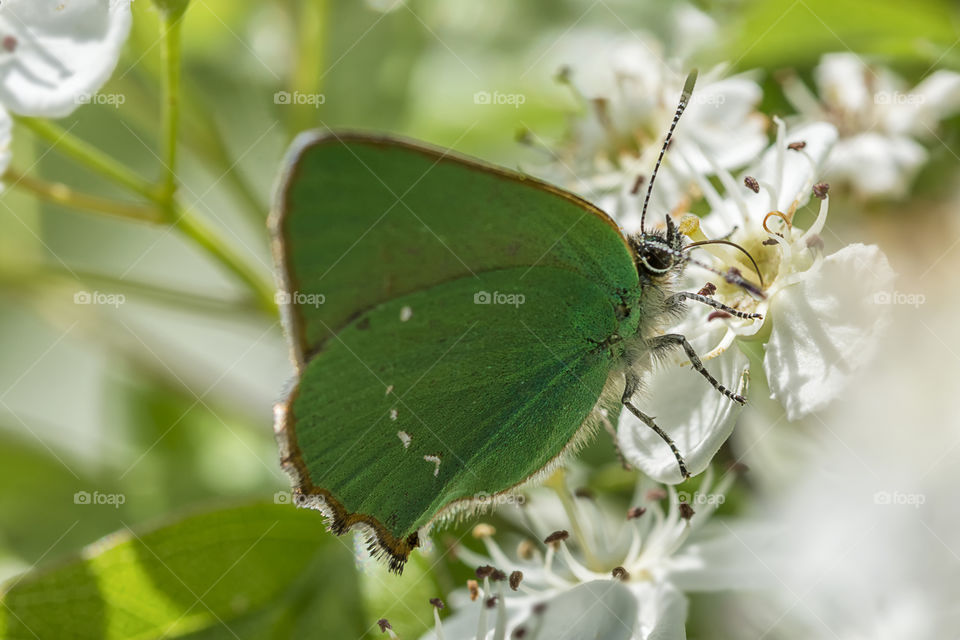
x: 453, y: 325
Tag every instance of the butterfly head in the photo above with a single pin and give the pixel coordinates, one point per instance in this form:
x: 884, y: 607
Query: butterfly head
x: 657, y: 253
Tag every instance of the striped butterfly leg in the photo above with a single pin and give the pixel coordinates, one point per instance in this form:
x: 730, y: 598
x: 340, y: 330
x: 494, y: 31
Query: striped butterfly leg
x: 671, y: 340
x: 632, y: 384
x: 710, y: 302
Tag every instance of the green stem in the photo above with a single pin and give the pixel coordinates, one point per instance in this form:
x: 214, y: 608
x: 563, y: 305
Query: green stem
x: 88, y: 155
x: 306, y: 78
x: 163, y: 194
x: 56, y: 278
x: 171, y: 56
x: 198, y: 231
x: 60, y: 193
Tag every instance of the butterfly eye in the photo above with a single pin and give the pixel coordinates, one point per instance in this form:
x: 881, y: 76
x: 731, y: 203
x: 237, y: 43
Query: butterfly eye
x: 657, y: 261
x: 654, y: 257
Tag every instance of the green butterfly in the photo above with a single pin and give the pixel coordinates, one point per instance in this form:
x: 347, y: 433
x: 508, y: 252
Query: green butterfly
x: 457, y: 329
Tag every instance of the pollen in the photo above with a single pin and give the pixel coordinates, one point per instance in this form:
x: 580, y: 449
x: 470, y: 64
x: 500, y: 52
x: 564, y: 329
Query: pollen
x: 689, y: 225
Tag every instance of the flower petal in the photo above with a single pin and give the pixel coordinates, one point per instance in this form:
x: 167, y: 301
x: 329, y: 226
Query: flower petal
x: 599, y: 609
x: 722, y: 122
x: 841, y: 81
x: 722, y: 560
x: 826, y: 326
x: 877, y: 165
x: 57, y: 53
x: 663, y: 611
x: 696, y: 416
x: 918, y: 112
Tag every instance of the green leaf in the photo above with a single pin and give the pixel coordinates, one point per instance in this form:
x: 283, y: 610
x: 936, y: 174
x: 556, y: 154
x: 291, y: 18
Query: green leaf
x: 785, y: 32
x: 54, y: 479
x: 258, y: 571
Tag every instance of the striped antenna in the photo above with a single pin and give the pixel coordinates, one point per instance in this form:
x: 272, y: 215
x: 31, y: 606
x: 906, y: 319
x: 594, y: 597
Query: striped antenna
x: 684, y: 99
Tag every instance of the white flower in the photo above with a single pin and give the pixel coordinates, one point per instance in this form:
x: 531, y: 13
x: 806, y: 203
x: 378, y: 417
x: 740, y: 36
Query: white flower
x: 863, y: 544
x: 619, y: 575
x: 879, y: 119
x: 55, y: 54
x: 629, y: 90
x: 821, y: 320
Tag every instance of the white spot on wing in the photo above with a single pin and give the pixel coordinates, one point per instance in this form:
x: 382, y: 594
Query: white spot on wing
x: 389, y: 390
x: 404, y: 438
x: 435, y: 460
x: 405, y: 314
x: 393, y: 414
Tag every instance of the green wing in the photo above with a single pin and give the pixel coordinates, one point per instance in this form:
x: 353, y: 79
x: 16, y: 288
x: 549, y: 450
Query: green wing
x: 465, y: 334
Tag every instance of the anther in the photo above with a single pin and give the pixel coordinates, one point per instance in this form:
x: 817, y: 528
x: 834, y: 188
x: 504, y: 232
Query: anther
x: 557, y: 537
x: 635, y: 512
x: 515, y: 578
